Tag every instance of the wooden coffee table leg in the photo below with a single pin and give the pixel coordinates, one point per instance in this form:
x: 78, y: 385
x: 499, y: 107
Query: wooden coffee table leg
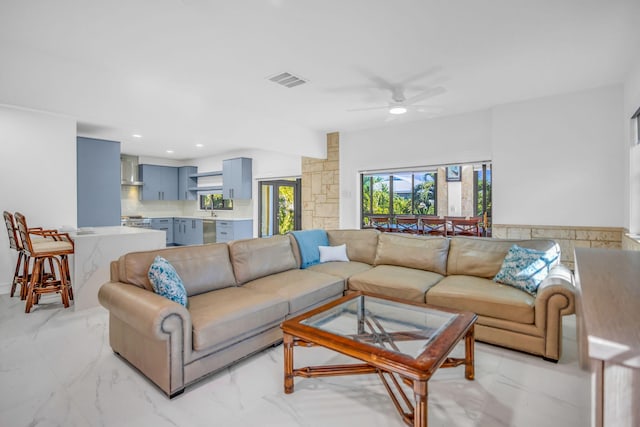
x: 469, y: 344
x: 288, y: 363
x: 420, y: 392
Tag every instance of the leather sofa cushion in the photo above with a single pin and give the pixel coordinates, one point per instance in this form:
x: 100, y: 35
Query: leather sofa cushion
x: 391, y: 280
x: 484, y: 297
x: 424, y: 253
x: 361, y: 244
x: 302, y: 288
x: 255, y: 258
x: 226, y: 316
x: 202, y: 268
x: 341, y: 269
x: 482, y: 257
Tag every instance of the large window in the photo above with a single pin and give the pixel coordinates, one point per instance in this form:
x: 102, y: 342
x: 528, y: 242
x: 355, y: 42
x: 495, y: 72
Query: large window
x: 215, y: 202
x: 403, y: 193
x: 482, y: 192
x: 429, y: 192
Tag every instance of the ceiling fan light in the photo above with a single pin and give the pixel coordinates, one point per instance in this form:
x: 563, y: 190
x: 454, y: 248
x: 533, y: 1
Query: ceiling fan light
x: 398, y: 109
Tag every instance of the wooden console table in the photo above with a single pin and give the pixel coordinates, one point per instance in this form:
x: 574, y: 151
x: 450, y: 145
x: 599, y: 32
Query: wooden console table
x: 608, y: 321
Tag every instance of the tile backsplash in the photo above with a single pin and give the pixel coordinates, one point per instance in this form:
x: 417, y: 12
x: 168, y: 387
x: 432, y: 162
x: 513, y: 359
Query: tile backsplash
x: 131, y: 205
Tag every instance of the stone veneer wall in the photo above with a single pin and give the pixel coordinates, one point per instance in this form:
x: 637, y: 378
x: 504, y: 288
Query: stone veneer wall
x: 321, y: 188
x: 630, y: 243
x: 567, y: 237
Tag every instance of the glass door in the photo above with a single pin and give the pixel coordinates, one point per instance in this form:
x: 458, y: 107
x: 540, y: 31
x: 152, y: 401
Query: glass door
x: 279, y: 206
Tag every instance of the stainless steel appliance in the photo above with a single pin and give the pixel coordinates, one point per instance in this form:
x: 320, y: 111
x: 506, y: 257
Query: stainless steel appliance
x: 129, y: 170
x: 135, y: 221
x: 209, y: 230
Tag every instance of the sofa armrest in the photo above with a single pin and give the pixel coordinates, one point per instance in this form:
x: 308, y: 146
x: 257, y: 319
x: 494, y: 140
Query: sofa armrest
x: 555, y: 298
x: 559, y: 281
x: 152, y: 332
x: 141, y: 309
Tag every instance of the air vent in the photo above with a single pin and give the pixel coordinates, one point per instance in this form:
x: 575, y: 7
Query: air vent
x: 287, y: 80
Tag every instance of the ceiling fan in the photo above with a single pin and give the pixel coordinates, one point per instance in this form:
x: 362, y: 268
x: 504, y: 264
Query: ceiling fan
x: 399, y: 103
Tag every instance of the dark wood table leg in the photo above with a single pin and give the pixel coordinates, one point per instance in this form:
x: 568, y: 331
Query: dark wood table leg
x: 420, y: 392
x: 288, y: 363
x: 469, y: 344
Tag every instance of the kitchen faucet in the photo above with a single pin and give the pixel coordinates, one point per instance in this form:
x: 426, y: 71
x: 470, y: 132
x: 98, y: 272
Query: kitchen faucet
x: 213, y: 214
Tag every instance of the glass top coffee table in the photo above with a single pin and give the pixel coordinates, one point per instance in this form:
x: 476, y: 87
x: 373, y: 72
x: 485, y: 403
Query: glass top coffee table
x: 400, y: 341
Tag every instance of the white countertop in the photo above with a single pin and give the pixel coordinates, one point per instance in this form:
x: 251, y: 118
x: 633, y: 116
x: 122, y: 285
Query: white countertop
x: 207, y: 217
x: 115, y: 230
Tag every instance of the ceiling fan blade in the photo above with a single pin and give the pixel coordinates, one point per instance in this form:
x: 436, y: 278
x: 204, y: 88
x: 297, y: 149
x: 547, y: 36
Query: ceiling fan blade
x: 378, y: 81
x: 426, y: 73
x: 426, y: 109
x: 429, y: 93
x: 386, y: 107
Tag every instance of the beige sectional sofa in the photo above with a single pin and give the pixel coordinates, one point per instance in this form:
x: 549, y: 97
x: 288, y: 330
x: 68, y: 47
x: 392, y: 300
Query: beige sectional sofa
x: 240, y: 292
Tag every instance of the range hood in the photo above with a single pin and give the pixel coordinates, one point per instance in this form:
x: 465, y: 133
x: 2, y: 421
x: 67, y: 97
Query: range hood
x: 129, y: 170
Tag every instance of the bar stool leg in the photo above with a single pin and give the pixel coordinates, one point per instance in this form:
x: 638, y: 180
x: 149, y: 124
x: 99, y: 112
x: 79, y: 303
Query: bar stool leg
x: 17, y: 279
x: 35, y: 279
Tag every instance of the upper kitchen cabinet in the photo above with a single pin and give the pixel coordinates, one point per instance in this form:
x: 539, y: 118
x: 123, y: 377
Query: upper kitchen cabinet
x: 236, y: 178
x: 98, y: 182
x: 159, y: 182
x: 187, y: 183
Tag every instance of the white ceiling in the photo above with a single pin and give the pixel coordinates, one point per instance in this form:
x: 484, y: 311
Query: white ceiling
x: 186, y: 72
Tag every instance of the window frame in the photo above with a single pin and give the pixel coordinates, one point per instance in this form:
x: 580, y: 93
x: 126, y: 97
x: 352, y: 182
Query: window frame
x: 227, y: 204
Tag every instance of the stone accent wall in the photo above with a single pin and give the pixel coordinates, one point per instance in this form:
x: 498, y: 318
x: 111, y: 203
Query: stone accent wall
x: 467, y: 191
x: 443, y: 192
x: 630, y: 242
x: 567, y: 237
x: 321, y: 188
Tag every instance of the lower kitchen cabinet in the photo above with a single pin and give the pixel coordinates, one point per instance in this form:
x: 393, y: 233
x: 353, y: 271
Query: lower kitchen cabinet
x: 165, y: 224
x: 233, y: 230
x: 187, y: 231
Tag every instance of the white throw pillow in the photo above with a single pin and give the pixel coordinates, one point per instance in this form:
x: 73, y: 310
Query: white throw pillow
x: 333, y: 253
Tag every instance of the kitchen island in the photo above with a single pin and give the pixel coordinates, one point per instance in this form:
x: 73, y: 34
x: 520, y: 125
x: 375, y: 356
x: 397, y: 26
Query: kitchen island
x: 95, y: 248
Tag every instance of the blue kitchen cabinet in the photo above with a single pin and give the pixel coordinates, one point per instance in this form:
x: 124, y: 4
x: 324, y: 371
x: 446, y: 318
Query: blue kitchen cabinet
x: 166, y: 225
x: 236, y: 178
x: 194, y: 234
x: 158, y: 182
x: 227, y: 230
x: 187, y: 231
x: 187, y: 183
x: 98, y: 182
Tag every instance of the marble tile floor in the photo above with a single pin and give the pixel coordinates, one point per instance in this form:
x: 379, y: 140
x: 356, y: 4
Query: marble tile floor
x: 57, y: 369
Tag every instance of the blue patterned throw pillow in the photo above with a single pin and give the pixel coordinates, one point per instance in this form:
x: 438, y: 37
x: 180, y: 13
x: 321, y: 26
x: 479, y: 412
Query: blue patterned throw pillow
x: 166, y: 282
x: 524, y: 268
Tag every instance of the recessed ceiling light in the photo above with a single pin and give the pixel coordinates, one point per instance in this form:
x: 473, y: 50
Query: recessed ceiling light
x: 397, y: 110
x: 199, y: 145
x: 135, y: 135
x: 170, y: 151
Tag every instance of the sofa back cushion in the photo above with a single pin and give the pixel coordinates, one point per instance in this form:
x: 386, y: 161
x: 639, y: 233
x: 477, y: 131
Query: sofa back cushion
x: 423, y: 253
x: 255, y: 258
x: 361, y: 244
x: 202, y: 268
x: 482, y: 257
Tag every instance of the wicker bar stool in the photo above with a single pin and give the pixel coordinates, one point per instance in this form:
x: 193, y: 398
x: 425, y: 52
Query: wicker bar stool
x: 54, y: 250
x: 22, y: 273
x: 23, y: 260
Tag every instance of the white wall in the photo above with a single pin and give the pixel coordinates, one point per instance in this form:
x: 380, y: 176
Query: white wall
x: 448, y: 140
x: 556, y: 160
x: 38, y: 173
x: 560, y: 160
